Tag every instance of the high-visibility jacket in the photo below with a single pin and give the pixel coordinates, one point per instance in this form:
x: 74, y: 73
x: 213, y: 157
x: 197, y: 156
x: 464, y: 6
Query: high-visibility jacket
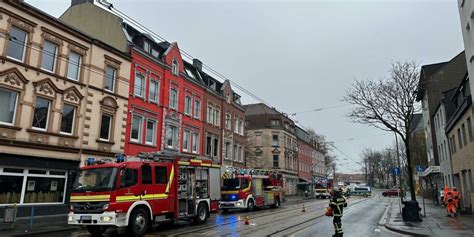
x: 338, y: 202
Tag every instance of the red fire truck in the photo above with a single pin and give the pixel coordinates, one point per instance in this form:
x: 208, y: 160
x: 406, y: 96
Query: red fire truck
x: 139, y: 192
x: 247, y: 191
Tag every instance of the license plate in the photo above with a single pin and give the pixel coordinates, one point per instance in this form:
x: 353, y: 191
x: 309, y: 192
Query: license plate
x: 86, y: 218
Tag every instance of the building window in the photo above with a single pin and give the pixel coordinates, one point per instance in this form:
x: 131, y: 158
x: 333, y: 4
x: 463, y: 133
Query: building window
x: 209, y: 145
x: 136, y: 133
x: 195, y: 141
x: 217, y: 117
x: 150, y: 132
x: 172, y: 137
x: 17, y: 44
x: 67, y: 119
x: 242, y: 154
x: 227, y: 151
x: 234, y: 153
x: 216, y: 147
x: 275, y: 161
x: 173, y: 98
x: 146, y: 46
x: 154, y: 90
x: 469, y: 129
x: 38, y: 186
x: 236, y: 124
x: 105, y: 127
x: 110, y: 74
x: 241, y: 127
x: 274, y: 122
x: 41, y: 114
x: 48, y: 60
x: 228, y: 121
x: 175, y: 67
x: 73, y: 66
x: 8, y: 102
x: 464, y: 135
x: 459, y: 139
x: 186, y: 142
x: 275, y: 140
x: 197, y: 109
x: 210, y: 114
x: 139, y: 85
x: 187, y: 105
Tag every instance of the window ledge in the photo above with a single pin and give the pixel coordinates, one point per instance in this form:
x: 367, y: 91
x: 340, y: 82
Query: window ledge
x: 142, y: 144
x: 51, y: 133
x: 105, y: 142
x: 10, y: 127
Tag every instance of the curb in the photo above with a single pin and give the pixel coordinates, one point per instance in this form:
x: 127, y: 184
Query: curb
x: 40, y: 232
x: 405, y: 232
x: 387, y: 214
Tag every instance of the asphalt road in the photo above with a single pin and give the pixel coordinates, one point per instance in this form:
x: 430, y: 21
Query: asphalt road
x: 361, y: 218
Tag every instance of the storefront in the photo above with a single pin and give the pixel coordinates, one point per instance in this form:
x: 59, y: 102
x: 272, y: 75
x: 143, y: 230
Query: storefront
x: 42, y: 184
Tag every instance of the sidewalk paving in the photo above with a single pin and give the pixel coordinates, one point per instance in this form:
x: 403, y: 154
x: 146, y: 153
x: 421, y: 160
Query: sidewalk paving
x: 434, y: 224
x: 40, y: 225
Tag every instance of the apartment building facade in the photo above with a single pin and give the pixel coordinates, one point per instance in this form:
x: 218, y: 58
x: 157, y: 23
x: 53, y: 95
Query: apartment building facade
x: 66, y: 99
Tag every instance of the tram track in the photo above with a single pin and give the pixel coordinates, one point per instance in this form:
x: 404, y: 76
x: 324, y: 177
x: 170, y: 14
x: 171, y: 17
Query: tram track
x: 252, y: 217
x: 298, y: 225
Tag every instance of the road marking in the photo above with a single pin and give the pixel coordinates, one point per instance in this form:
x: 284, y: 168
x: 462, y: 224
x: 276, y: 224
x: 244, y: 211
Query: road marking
x: 377, y: 230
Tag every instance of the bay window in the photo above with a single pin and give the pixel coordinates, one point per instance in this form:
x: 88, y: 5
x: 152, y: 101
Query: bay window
x: 8, y: 103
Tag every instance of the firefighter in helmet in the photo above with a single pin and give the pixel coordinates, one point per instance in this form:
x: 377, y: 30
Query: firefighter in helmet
x: 337, y: 204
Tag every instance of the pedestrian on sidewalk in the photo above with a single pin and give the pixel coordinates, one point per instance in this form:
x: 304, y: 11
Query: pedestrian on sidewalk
x: 457, y: 198
x: 451, y: 206
x: 338, y: 202
x: 435, y: 197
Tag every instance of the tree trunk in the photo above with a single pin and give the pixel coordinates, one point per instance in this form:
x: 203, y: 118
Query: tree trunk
x: 409, y: 168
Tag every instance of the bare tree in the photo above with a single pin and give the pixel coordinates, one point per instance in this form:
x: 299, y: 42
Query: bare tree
x: 388, y: 104
x: 326, y: 147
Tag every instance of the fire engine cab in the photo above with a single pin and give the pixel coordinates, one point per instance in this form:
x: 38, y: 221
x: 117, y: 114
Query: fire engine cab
x: 247, y: 191
x: 138, y: 192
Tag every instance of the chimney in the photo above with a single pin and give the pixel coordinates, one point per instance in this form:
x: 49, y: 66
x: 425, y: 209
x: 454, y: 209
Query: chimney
x: 77, y: 2
x: 197, y: 64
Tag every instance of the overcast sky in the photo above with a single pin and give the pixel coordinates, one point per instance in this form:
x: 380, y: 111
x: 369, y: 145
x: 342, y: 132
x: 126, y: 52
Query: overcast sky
x: 303, y: 55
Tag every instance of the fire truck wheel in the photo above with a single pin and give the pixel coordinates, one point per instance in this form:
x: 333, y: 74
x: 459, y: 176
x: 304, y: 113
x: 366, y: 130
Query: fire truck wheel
x: 138, y: 223
x: 96, y: 230
x: 250, y: 205
x: 202, y: 214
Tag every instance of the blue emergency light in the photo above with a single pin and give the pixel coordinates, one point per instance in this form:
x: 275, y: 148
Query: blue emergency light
x: 233, y: 197
x: 120, y: 158
x: 90, y: 161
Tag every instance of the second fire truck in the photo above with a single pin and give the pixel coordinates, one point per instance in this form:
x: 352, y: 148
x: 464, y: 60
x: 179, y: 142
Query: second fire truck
x: 137, y: 192
x: 247, y: 191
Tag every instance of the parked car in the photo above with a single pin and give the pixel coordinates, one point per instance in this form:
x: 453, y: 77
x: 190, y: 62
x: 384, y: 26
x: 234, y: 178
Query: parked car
x: 391, y: 192
x: 322, y: 193
x: 361, y: 191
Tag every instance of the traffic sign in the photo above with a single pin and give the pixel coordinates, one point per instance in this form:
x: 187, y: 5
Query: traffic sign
x: 396, y: 171
x: 420, y: 168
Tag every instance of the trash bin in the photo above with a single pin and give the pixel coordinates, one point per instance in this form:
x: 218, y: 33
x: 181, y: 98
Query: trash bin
x: 411, y: 211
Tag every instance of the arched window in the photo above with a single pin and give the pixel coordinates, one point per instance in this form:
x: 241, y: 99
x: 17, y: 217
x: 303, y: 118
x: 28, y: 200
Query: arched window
x: 174, y: 67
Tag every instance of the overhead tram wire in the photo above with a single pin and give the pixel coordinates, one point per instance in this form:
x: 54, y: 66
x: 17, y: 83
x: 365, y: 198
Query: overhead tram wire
x: 357, y: 162
x: 320, y: 109
x: 187, y: 55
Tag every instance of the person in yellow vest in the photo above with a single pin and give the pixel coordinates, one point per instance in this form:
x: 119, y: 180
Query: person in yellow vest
x: 337, y: 204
